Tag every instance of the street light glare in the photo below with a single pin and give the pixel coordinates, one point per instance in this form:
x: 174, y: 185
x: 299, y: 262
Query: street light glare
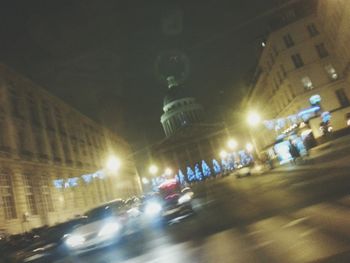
x: 223, y: 154
x: 232, y: 144
x: 168, y: 171
x: 113, y: 164
x: 249, y: 147
x: 253, y: 118
x: 153, y: 169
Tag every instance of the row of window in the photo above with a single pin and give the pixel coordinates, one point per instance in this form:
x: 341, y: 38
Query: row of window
x: 312, y: 30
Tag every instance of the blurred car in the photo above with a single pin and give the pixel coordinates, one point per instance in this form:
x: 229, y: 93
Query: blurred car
x: 170, y: 204
x: 104, y: 225
x: 48, y: 244
x: 243, y: 171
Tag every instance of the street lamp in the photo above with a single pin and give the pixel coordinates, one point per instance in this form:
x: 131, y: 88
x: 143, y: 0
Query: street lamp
x: 168, y: 172
x: 253, y: 119
x: 223, y: 154
x: 153, y: 169
x: 232, y: 144
x: 113, y: 163
x: 249, y: 147
x: 145, y: 180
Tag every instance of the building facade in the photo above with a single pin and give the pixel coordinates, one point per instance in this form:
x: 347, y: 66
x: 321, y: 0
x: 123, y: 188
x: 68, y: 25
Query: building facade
x: 45, y: 149
x: 299, y: 77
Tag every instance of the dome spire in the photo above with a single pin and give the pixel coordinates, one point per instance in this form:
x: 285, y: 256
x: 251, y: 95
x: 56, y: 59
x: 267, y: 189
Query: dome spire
x: 171, y: 82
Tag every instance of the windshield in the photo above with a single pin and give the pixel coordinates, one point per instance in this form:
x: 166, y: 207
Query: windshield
x: 105, y: 211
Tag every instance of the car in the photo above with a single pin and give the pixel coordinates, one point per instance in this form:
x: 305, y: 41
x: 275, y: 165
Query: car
x: 48, y: 244
x: 243, y: 171
x: 103, y: 226
x: 171, y: 204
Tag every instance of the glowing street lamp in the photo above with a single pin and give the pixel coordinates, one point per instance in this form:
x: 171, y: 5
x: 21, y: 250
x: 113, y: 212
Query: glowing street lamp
x: 168, y: 172
x: 223, y: 154
x: 253, y: 118
x: 249, y: 147
x: 232, y: 144
x: 145, y: 180
x: 113, y: 164
x: 153, y: 169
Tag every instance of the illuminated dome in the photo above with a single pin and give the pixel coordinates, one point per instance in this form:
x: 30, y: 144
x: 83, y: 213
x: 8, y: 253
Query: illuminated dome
x: 180, y: 110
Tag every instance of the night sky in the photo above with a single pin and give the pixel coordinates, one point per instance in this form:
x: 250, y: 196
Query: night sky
x: 99, y: 56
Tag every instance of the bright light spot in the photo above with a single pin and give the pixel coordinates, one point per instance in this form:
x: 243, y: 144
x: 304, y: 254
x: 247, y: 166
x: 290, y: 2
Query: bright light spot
x: 153, y: 169
x: 75, y: 240
x: 348, y: 122
x: 249, y: 147
x: 113, y: 164
x: 110, y: 229
x: 153, y: 208
x: 263, y: 44
x: 232, y: 144
x: 223, y: 154
x: 184, y: 199
x: 145, y: 180
x: 168, y: 171
x: 253, y: 118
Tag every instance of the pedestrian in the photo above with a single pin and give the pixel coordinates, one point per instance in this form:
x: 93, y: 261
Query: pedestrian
x: 293, y: 150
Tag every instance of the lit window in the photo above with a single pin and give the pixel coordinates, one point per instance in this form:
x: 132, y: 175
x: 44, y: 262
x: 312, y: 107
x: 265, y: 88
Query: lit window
x: 307, y: 83
x: 331, y: 72
x: 29, y: 191
x: 6, y: 193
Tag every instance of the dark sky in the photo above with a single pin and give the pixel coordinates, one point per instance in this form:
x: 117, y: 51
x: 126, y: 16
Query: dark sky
x: 99, y: 56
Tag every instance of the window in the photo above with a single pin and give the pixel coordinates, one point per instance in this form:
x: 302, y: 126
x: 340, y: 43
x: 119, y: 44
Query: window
x: 342, y: 98
x: 16, y: 103
x: 47, y: 115
x: 29, y: 192
x: 321, y: 50
x: 307, y: 83
x: 6, y: 192
x: 46, y: 193
x: 313, y: 31
x: 331, y: 72
x: 288, y: 41
x: 297, y: 60
x: 60, y: 120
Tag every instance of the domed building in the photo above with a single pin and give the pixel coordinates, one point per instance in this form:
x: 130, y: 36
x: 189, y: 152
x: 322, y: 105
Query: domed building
x: 189, y: 138
x: 180, y: 110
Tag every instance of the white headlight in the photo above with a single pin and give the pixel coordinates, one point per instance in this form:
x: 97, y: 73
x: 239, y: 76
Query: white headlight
x: 153, y: 208
x: 110, y: 229
x: 75, y: 240
x: 184, y: 199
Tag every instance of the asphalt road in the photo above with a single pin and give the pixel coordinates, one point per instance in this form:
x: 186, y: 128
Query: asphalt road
x: 297, y: 214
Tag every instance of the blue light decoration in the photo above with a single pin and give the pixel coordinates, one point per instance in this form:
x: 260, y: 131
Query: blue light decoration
x: 224, y: 164
x: 72, y: 182
x: 281, y: 122
x: 315, y: 99
x: 181, y: 177
x: 58, y: 183
x: 206, y: 169
x: 326, y: 116
x: 198, y: 172
x: 99, y: 174
x: 190, y: 174
x: 269, y: 124
x: 293, y: 119
x: 306, y: 114
x: 87, y: 178
x: 216, y: 167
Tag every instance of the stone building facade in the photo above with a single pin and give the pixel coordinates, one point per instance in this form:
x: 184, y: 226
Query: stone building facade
x: 298, y: 62
x: 42, y: 141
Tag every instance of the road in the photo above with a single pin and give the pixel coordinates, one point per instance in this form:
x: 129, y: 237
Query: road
x: 294, y: 214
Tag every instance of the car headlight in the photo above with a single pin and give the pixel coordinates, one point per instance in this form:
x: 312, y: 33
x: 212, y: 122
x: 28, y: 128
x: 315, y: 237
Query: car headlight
x: 153, y: 208
x: 184, y: 199
x: 75, y: 240
x: 110, y: 229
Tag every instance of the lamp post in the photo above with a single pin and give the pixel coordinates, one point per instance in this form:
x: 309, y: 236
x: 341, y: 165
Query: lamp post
x: 253, y: 120
x: 113, y: 164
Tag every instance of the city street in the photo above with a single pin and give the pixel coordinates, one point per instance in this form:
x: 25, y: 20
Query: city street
x: 292, y: 214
